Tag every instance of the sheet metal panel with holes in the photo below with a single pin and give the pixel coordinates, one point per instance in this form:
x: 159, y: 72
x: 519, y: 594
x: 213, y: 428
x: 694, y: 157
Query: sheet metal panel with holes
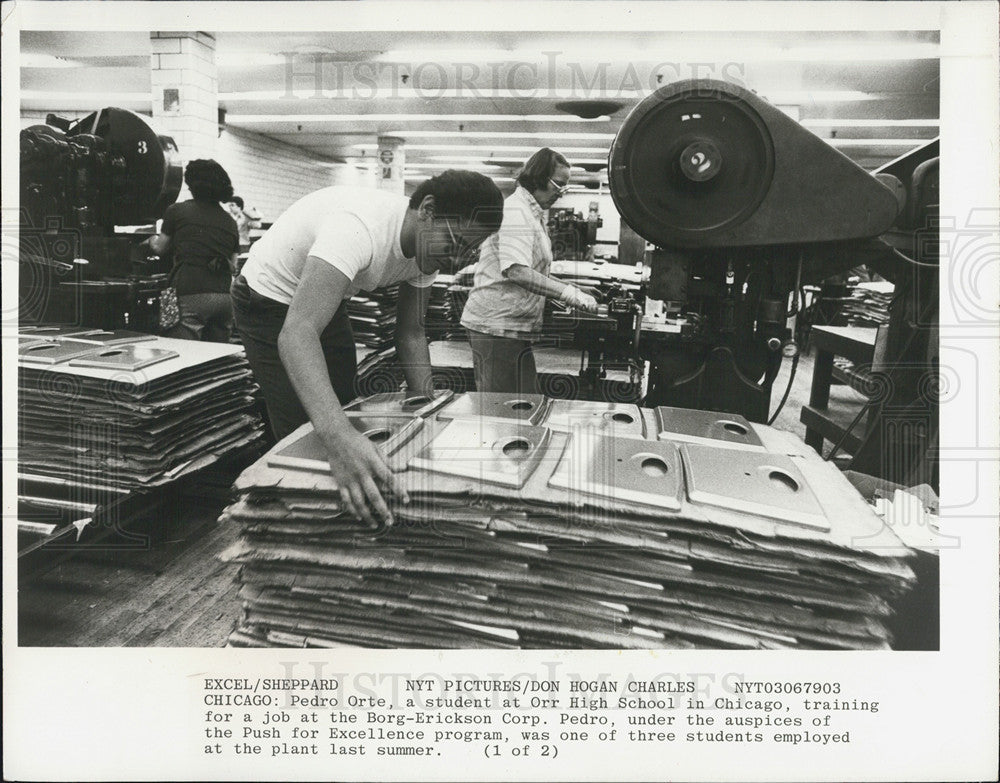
x: 56, y: 331
x: 707, y: 427
x: 527, y: 408
x: 127, y: 357
x: 118, y: 337
x: 497, y: 452
x: 398, y: 404
x: 613, y: 418
x: 53, y: 352
x: 388, y: 433
x: 759, y: 483
x: 647, y: 472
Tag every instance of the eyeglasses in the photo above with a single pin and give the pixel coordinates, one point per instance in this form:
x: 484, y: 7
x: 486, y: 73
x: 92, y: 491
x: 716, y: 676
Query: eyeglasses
x: 460, y: 245
x: 561, y: 188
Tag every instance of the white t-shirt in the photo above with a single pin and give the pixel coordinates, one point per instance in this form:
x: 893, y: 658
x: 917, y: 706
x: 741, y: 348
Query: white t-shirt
x: 355, y: 230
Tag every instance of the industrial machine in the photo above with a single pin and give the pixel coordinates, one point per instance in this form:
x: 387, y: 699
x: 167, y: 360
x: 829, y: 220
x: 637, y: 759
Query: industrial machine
x: 741, y: 207
x: 574, y: 235
x: 82, y: 182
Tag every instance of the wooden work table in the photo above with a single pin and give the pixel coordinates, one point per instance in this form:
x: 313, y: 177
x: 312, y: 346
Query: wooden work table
x: 854, y: 343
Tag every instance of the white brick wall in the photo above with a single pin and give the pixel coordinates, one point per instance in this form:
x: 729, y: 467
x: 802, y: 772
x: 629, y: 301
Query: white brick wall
x: 271, y: 175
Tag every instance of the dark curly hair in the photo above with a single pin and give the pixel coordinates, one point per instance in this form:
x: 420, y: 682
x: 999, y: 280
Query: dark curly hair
x: 208, y: 181
x: 539, y: 168
x: 464, y: 194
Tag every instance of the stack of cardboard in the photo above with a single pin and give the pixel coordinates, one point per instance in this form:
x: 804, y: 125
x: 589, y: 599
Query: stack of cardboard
x: 373, y: 317
x: 117, y: 410
x: 442, y: 322
x: 546, y: 523
x: 868, y: 305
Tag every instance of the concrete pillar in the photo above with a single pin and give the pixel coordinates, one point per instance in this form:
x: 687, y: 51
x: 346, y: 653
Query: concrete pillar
x: 391, y: 164
x: 185, y: 91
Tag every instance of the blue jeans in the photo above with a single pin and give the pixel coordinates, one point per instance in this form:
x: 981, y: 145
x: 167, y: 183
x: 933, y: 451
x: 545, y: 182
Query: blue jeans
x: 503, y: 364
x: 258, y: 323
x: 206, y: 317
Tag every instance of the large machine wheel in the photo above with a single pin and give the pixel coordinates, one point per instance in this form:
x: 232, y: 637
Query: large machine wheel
x: 690, y: 160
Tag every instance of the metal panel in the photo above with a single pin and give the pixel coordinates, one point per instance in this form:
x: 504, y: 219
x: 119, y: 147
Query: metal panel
x: 646, y: 472
x: 751, y: 482
x: 527, y: 408
x: 27, y: 339
x: 398, y: 404
x: 388, y: 433
x: 55, y: 331
x: 53, y: 352
x: 612, y: 418
x: 707, y: 427
x: 124, y: 357
x: 118, y: 337
x: 497, y: 452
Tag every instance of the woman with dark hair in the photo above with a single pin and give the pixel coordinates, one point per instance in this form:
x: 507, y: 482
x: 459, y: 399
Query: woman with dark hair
x: 503, y: 314
x: 204, y: 239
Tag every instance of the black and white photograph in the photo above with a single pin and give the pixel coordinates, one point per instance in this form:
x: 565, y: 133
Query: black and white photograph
x: 532, y: 390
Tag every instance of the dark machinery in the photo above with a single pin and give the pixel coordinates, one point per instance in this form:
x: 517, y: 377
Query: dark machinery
x: 79, y: 182
x: 743, y: 207
x: 572, y: 234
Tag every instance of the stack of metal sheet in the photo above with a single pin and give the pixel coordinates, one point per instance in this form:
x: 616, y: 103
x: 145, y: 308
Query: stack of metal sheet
x: 868, y: 305
x: 120, y: 410
x: 543, y: 523
x: 442, y: 322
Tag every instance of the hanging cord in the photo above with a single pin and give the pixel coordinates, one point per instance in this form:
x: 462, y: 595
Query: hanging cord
x: 798, y: 292
x: 788, y: 389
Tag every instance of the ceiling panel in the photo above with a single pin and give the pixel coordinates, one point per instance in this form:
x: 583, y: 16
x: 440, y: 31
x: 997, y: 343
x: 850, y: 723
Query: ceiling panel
x: 310, y: 89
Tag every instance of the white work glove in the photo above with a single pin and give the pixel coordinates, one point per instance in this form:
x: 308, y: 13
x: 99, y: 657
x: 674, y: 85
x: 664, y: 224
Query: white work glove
x: 577, y: 299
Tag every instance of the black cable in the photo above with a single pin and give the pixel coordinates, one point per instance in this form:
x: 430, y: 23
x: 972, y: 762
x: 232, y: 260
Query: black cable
x: 788, y: 389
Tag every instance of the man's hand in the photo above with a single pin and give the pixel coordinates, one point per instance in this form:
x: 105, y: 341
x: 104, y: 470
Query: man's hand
x: 578, y: 300
x: 360, y: 471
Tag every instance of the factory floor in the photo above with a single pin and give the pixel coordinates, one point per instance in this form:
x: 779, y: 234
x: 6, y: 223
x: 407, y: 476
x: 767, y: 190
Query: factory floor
x: 163, y: 585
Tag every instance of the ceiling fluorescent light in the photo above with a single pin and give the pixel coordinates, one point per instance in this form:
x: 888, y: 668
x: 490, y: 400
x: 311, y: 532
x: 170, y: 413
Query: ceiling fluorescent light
x: 364, y: 92
x: 876, y: 142
x: 575, y: 163
x: 247, y: 59
x: 470, y: 148
x: 820, y: 96
x: 417, y: 177
x: 675, y: 49
x: 94, y: 98
x: 355, y: 118
x: 417, y: 134
x: 42, y: 60
x: 834, y: 123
